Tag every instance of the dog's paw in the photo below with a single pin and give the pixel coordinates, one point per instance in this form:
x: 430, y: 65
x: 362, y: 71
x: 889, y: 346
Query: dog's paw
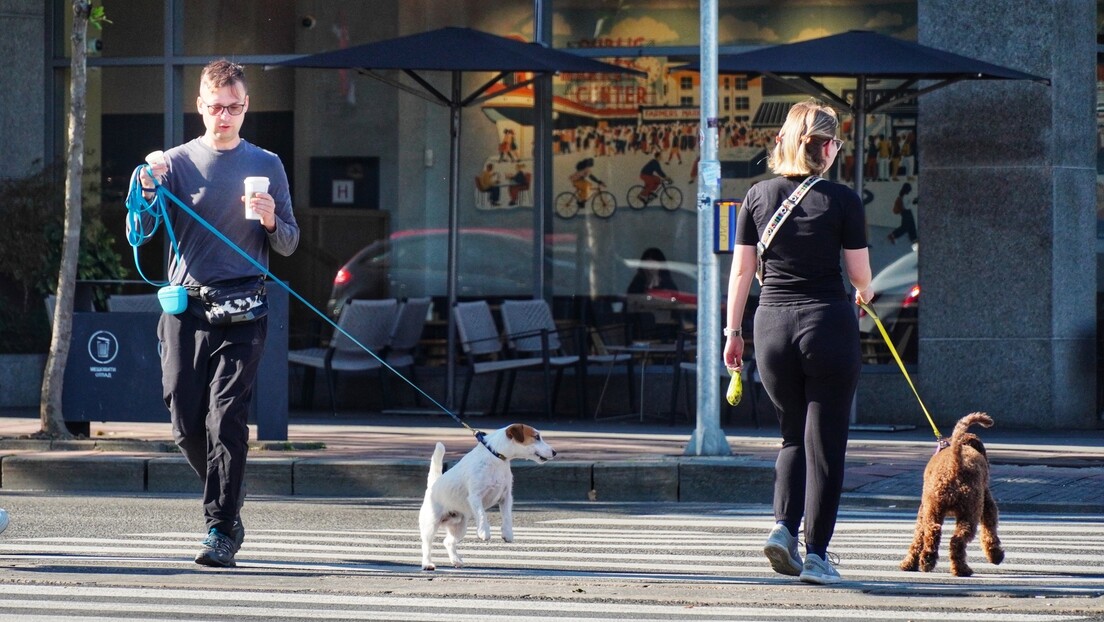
x: 927, y: 562
x: 995, y: 556
x: 484, y: 533
x: 457, y: 563
x: 961, y: 570
x: 429, y: 566
x: 909, y: 564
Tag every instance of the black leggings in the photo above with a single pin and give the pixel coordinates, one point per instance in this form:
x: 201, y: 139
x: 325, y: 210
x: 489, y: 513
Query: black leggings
x: 808, y: 358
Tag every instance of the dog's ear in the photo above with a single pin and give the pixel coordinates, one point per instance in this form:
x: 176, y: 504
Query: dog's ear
x: 516, y: 433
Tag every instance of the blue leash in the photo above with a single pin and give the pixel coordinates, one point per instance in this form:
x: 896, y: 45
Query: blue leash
x: 137, y: 206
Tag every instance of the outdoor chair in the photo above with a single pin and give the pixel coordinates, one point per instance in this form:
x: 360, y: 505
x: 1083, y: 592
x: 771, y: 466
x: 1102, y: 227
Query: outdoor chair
x: 686, y: 365
x: 531, y: 329
x: 483, y: 348
x: 368, y: 321
x: 406, y: 334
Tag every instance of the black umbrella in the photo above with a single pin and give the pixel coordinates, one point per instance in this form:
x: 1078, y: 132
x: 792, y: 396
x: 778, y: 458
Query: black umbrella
x: 863, y: 55
x: 455, y: 50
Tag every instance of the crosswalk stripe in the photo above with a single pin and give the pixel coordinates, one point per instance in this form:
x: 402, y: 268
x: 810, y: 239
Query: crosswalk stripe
x: 260, y: 605
x: 719, y: 549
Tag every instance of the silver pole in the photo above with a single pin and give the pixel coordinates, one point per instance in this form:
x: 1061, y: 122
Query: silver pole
x: 453, y: 237
x: 708, y: 439
x: 542, y: 155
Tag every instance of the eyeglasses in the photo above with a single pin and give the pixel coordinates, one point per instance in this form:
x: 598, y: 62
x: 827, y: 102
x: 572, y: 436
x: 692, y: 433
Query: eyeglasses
x: 836, y: 142
x: 215, y: 110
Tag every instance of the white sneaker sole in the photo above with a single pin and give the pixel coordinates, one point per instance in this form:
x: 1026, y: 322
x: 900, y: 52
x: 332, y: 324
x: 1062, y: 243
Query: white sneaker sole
x: 780, y: 560
x: 819, y: 579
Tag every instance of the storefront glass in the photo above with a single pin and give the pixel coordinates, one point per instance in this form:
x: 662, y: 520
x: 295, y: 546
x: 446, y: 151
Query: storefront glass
x: 606, y: 128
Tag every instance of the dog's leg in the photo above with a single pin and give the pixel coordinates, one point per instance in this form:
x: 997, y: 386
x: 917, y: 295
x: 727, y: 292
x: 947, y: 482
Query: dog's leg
x: 427, y: 524
x: 911, y: 562
x: 933, y: 532
x: 482, y: 525
x: 506, y: 508
x: 990, y: 543
x: 455, y: 530
x: 965, y: 528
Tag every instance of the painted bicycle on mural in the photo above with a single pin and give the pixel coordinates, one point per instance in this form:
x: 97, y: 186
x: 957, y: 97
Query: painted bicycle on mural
x: 601, y: 202
x: 589, y: 191
x: 669, y: 196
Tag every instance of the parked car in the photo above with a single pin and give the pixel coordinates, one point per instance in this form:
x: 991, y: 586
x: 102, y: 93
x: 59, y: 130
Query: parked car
x: 896, y: 301
x: 414, y: 263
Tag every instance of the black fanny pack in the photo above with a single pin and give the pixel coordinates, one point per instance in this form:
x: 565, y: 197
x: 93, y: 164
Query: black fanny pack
x: 232, y: 302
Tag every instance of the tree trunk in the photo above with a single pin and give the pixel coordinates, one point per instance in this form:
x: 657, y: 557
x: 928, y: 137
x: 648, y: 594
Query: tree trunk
x: 50, y: 409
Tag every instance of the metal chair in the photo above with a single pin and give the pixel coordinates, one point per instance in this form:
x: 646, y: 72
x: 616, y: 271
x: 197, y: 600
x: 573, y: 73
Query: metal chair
x: 370, y: 322
x: 531, y: 329
x: 406, y: 334
x: 485, y: 353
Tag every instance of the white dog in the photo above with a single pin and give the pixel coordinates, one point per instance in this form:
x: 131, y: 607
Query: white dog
x: 480, y: 480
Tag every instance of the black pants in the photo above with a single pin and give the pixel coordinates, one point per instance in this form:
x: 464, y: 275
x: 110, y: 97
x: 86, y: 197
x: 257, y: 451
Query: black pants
x: 809, y: 361
x: 908, y: 227
x: 208, y: 375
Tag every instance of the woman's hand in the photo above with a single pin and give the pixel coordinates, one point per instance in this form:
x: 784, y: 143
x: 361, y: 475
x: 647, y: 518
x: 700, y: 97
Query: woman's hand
x: 734, y: 352
x: 864, y: 296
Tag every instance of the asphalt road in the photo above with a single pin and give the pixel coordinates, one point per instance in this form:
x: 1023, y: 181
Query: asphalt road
x: 89, y: 558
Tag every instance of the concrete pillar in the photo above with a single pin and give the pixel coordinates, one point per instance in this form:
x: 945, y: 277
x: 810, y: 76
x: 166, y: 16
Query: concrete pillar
x: 1008, y: 239
x: 22, y: 100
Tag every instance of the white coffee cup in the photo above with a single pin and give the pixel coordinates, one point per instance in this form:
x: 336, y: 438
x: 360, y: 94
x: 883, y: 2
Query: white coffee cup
x: 253, y: 185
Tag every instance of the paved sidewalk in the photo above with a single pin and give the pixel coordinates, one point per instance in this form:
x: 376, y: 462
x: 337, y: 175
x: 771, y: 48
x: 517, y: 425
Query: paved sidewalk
x: 387, y: 456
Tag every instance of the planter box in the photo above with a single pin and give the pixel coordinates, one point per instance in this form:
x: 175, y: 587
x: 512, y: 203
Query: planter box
x: 21, y: 380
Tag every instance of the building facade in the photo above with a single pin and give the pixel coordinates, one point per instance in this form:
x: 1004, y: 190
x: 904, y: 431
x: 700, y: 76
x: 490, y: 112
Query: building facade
x: 1004, y: 174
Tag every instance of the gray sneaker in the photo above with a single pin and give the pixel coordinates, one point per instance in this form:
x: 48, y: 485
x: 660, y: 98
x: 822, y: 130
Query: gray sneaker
x: 819, y: 571
x: 781, y: 550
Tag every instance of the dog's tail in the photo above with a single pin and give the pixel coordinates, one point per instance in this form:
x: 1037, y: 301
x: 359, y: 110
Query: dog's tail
x: 964, y: 424
x: 436, y: 464
x: 961, y: 437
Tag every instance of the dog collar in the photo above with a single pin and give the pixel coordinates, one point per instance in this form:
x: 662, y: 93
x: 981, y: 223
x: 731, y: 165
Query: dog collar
x: 482, y: 438
x: 941, y: 444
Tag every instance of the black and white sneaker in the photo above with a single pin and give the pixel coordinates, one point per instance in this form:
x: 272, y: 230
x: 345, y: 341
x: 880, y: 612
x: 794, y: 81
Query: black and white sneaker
x: 239, y: 534
x: 218, y: 550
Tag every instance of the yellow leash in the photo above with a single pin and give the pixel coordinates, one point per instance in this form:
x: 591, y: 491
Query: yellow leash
x: 897, y: 357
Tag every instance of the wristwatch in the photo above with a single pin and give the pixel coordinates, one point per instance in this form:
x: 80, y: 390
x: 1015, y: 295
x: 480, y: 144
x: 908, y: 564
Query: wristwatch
x: 732, y: 332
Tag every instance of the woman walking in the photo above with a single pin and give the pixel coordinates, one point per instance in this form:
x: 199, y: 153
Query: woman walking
x: 806, y: 330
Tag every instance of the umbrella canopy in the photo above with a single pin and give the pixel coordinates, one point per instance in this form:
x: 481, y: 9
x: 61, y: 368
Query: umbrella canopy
x: 456, y: 51
x: 862, y: 55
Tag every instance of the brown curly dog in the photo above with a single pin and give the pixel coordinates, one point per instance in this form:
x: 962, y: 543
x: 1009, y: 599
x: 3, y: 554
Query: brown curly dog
x: 956, y: 483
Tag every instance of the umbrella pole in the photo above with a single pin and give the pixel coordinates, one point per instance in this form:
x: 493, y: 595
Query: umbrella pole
x: 453, y: 237
x: 858, y: 111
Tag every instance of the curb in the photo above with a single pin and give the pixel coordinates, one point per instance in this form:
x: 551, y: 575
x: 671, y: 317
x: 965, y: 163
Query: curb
x: 675, y: 479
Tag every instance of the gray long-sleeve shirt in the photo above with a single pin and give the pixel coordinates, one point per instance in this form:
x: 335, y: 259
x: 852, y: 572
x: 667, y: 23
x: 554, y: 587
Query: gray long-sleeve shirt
x: 211, y: 182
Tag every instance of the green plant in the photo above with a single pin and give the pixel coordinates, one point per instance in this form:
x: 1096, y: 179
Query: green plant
x: 32, y: 210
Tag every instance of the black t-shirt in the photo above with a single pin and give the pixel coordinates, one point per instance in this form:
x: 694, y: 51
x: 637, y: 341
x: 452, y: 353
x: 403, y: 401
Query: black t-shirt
x: 802, y: 264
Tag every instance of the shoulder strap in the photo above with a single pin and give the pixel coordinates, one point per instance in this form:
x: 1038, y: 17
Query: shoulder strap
x: 779, y: 217
x: 784, y: 210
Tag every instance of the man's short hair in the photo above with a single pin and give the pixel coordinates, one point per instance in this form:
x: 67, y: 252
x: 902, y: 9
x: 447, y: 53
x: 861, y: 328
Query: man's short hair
x: 220, y: 73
